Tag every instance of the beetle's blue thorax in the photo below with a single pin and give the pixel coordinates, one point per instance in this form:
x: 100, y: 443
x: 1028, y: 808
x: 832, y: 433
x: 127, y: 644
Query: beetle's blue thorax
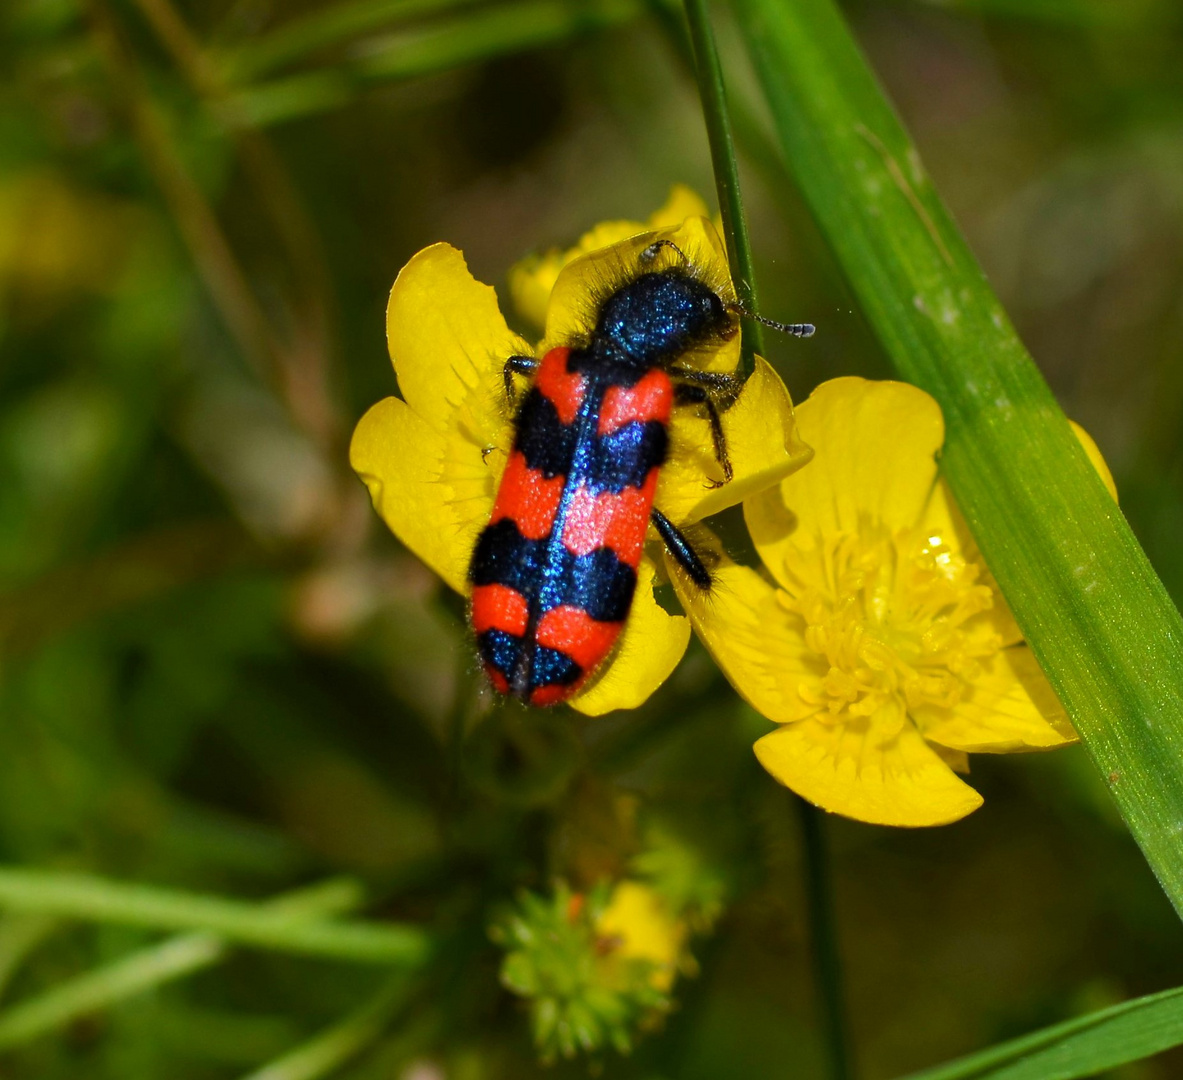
x: 660, y: 315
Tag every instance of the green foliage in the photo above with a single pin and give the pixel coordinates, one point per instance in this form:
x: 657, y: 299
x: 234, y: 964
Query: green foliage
x: 693, y: 882
x: 1102, y: 625
x: 1078, y: 1048
x: 221, y: 680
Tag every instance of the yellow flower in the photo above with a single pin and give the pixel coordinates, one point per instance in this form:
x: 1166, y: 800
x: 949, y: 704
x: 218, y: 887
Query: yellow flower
x: 532, y: 279
x: 882, y: 647
x: 432, y: 460
x: 637, y: 925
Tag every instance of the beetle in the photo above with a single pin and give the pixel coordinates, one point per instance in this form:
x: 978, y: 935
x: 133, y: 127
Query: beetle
x: 554, y: 572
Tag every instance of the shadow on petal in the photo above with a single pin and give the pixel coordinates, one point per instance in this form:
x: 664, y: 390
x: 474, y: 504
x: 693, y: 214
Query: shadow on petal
x: 751, y: 637
x: 1010, y: 707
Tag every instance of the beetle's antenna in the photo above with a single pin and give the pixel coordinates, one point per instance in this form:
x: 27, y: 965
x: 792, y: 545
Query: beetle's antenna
x: 798, y: 330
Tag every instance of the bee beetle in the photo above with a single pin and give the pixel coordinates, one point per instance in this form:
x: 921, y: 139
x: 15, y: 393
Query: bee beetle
x: 554, y: 572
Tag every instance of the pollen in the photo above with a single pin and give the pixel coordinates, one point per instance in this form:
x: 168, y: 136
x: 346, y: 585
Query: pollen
x: 892, y: 622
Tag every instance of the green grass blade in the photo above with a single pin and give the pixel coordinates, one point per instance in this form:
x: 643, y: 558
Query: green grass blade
x: 80, y: 896
x: 1099, y: 620
x: 1091, y: 14
x: 1077, y: 1048
x: 108, y: 985
x: 325, y: 1053
x: 320, y: 29
x: 19, y: 936
x: 148, y: 968
x: 439, y: 46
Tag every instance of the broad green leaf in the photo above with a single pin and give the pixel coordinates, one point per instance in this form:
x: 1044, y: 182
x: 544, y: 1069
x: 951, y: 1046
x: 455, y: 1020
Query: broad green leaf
x: 1076, y: 1048
x: 1072, y: 13
x: 1092, y: 608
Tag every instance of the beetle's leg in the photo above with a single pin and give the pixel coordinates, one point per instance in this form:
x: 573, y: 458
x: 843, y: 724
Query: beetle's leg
x: 651, y: 252
x: 517, y: 365
x: 688, y: 393
x: 724, y: 385
x: 681, y: 549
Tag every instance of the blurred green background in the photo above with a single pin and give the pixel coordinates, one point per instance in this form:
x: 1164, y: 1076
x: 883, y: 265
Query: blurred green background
x: 219, y: 673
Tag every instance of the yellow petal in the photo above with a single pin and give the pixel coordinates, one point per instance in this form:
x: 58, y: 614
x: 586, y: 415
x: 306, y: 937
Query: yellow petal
x: 943, y: 522
x: 638, y: 925
x: 449, y: 344
x: 432, y: 501
x: 762, y: 442
x: 874, y: 444
x: 532, y: 279
x: 1094, y: 455
x: 758, y: 645
x: 846, y: 769
x: 648, y: 650
x: 397, y: 456
x: 957, y: 760
x: 1010, y: 707
x: 943, y: 519
x: 584, y: 283
x: 683, y: 202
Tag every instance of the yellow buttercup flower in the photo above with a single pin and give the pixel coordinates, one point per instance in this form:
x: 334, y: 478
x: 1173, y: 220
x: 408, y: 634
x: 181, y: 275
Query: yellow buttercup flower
x: 881, y: 646
x: 433, y: 459
x: 638, y: 925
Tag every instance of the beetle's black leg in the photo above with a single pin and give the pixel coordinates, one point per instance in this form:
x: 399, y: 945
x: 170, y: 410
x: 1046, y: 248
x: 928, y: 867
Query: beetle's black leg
x: 517, y: 365
x: 681, y: 549
x: 724, y: 385
x: 687, y: 393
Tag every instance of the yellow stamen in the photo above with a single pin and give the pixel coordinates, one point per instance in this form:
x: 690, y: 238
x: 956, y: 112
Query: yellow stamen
x: 893, y: 621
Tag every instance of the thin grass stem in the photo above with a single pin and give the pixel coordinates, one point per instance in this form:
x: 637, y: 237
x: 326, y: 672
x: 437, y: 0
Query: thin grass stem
x: 80, y: 896
x: 307, y: 365
x: 149, y: 968
x: 713, y: 93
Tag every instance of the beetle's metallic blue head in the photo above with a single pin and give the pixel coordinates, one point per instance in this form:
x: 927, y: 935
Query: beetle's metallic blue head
x: 662, y: 314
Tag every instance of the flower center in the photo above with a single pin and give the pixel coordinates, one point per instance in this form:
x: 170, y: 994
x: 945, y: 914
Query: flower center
x: 892, y: 621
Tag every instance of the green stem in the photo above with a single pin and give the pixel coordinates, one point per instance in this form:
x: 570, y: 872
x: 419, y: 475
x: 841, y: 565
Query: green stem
x: 826, y: 959
x: 713, y: 92
x: 80, y: 896
x: 1097, y: 618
